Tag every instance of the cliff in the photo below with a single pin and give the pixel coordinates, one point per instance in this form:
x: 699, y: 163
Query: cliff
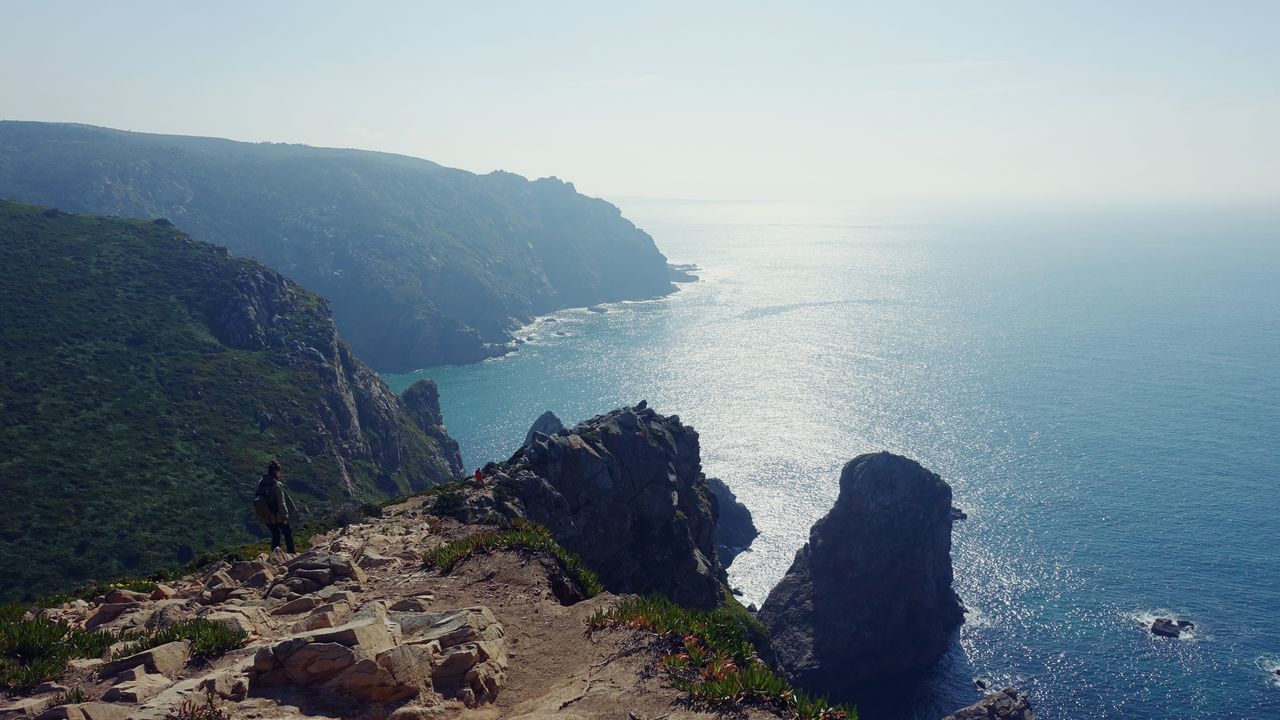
x: 869, y: 597
x: 148, y: 379
x: 625, y: 490
x: 423, y: 264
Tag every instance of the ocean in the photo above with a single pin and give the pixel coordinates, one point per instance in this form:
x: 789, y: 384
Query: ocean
x: 1102, y: 395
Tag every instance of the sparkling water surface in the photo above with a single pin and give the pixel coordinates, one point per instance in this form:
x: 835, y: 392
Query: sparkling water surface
x: 1104, y: 400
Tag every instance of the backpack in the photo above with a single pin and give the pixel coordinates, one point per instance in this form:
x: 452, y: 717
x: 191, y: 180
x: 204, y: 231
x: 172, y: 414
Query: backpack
x: 262, y: 505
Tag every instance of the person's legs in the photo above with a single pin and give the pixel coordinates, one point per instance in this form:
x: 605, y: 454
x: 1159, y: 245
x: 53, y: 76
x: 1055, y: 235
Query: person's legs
x: 275, y: 536
x: 288, y: 537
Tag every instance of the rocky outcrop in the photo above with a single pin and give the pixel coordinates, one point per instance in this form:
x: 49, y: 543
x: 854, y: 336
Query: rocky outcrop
x: 1008, y: 704
x: 422, y: 402
x: 625, y: 491
x: 869, y: 596
x: 735, y: 529
x: 547, y: 424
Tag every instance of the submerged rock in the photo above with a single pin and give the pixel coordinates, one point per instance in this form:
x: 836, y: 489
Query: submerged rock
x: 1008, y: 704
x: 869, y: 596
x: 626, y: 492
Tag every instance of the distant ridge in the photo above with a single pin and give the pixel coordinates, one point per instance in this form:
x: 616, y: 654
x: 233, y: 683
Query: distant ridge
x: 423, y: 264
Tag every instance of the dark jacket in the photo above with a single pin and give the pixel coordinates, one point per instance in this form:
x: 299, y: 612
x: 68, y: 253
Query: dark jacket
x: 278, y: 500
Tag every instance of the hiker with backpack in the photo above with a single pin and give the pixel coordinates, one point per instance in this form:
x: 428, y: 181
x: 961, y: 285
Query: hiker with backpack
x: 273, y: 506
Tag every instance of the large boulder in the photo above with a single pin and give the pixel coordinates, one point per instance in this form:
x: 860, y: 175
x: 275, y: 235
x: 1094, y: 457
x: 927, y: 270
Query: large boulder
x: 1008, y: 704
x: 869, y: 596
x: 626, y: 492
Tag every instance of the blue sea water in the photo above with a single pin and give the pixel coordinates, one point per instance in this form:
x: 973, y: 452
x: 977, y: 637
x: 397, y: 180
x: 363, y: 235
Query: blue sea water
x: 1103, y: 397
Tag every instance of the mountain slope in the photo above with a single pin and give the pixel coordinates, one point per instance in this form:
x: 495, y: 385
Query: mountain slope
x: 423, y: 264
x: 149, y: 377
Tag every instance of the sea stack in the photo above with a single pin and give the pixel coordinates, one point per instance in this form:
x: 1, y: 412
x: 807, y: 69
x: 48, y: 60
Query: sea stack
x: 869, y: 596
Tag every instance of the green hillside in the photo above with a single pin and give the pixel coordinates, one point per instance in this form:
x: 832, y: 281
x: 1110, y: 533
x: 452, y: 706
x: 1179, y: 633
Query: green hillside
x: 148, y: 377
x: 423, y: 264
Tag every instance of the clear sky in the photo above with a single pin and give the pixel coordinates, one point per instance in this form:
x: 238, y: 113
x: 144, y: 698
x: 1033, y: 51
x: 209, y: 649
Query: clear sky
x: 946, y: 103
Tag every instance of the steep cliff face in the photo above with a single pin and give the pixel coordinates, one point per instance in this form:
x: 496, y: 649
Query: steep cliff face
x: 149, y: 377
x: 423, y: 264
x: 625, y: 490
x: 735, y: 530
x: 869, y: 596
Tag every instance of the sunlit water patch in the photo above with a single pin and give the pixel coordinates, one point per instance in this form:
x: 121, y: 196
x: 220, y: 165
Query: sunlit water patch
x: 1105, y: 407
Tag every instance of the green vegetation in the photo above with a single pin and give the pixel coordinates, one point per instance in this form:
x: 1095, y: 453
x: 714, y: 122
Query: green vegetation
x: 522, y: 535
x: 33, y: 651
x: 208, y: 639
x: 135, y: 416
x: 713, y: 655
x: 424, y: 264
x: 450, y: 503
x: 207, y: 710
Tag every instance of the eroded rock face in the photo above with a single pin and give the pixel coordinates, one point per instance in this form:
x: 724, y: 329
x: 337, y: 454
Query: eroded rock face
x: 458, y: 654
x: 625, y: 491
x: 869, y: 596
x: 1008, y: 704
x: 735, y: 529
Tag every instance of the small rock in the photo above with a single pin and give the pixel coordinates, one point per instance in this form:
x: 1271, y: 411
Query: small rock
x: 86, y: 711
x: 164, y: 659
x: 163, y: 592
x: 1167, y: 627
x: 139, y: 690
x: 1008, y: 704
x: 120, y: 595
x: 49, y: 687
x: 306, y: 603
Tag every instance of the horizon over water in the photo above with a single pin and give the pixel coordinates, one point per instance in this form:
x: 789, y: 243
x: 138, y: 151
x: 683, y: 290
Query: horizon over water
x: 1103, y: 397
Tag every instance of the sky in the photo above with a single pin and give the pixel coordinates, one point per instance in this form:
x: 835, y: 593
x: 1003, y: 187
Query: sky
x: 846, y: 104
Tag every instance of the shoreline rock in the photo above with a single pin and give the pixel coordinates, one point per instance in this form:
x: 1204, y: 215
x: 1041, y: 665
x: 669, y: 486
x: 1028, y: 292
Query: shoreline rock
x: 869, y: 596
x: 1007, y: 704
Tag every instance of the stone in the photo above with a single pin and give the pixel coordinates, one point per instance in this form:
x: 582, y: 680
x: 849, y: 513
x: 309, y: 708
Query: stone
x: 226, y: 684
x: 325, y: 616
x: 164, y: 659
x: 137, y: 690
x: 85, y: 663
x: 163, y: 592
x: 306, y: 603
x: 108, y: 612
x: 1008, y: 704
x: 869, y: 597
x: 413, y: 604
x: 1167, y: 627
x: 25, y: 707
x: 626, y: 492
x: 249, y: 620
x: 48, y: 687
x: 371, y: 560
x: 118, y: 596
x: 246, y: 569
x: 259, y: 579
x: 86, y: 711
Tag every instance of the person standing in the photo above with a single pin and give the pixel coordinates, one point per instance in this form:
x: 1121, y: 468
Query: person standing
x: 274, y: 507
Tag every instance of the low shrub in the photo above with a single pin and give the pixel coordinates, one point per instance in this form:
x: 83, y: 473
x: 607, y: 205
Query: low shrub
x: 191, y: 710
x: 521, y: 535
x: 33, y: 651
x: 208, y: 639
x: 713, y: 655
x: 450, y: 503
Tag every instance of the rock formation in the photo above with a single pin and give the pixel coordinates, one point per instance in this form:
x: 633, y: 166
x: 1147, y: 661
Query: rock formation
x: 625, y: 490
x: 1008, y: 704
x: 869, y: 596
x: 547, y: 424
x: 734, y: 529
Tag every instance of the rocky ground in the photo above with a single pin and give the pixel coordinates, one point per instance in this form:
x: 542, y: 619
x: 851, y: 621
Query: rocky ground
x: 357, y: 627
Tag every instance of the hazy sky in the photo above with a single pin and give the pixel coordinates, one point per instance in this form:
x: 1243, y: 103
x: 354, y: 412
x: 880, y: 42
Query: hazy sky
x: 983, y: 103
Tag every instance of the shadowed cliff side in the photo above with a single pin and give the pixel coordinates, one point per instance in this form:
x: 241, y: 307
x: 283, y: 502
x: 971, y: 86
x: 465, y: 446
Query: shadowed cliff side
x: 869, y: 597
x: 625, y: 490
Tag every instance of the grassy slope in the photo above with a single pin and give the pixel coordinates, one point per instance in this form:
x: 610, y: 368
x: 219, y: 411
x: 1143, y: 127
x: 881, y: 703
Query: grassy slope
x: 129, y: 437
